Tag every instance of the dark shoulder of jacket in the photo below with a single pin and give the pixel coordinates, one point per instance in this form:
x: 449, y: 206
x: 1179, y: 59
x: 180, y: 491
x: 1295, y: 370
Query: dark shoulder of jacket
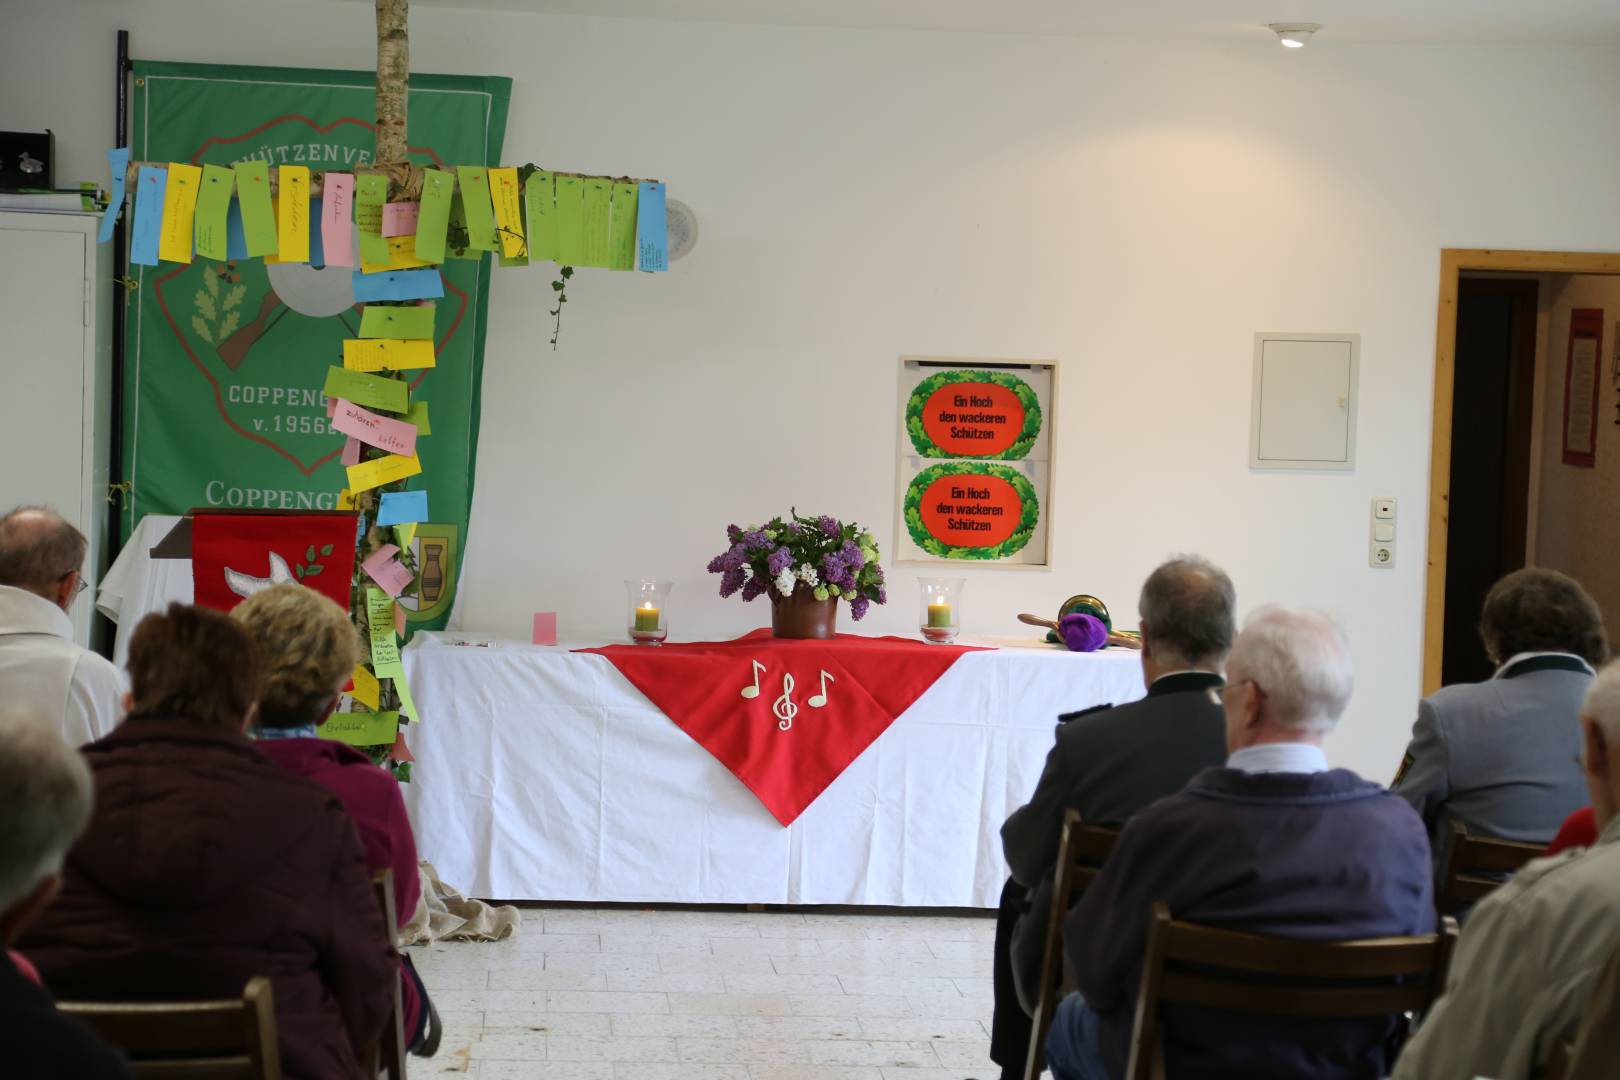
x: 1071, y: 716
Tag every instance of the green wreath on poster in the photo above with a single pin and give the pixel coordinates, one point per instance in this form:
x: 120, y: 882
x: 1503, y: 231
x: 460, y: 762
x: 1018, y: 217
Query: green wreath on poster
x: 917, y: 404
x: 1029, y: 513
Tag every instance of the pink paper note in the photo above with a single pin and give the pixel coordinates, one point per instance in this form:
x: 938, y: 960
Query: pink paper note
x: 337, y: 219
x: 545, y: 628
x: 399, y: 619
x: 331, y: 407
x: 399, y: 218
x: 383, y: 432
x: 351, y: 452
x: 388, y: 571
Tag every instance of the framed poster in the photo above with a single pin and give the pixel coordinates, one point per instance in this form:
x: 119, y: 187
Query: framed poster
x: 1582, y: 375
x: 975, y: 461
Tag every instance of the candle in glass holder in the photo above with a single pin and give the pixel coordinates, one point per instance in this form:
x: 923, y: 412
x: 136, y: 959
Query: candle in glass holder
x: 647, y: 617
x: 939, y: 614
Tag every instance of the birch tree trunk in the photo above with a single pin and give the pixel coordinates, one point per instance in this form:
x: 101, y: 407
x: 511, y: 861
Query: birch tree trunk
x: 393, y: 75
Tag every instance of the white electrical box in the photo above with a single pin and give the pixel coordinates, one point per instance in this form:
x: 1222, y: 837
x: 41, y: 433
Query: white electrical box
x: 1304, y: 405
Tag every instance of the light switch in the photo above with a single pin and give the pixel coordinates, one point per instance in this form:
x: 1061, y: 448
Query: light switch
x: 1384, y: 531
x: 1384, y: 509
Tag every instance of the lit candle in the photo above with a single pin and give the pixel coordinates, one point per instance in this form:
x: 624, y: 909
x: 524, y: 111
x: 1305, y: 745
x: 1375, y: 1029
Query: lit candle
x: 939, y: 613
x: 647, y: 617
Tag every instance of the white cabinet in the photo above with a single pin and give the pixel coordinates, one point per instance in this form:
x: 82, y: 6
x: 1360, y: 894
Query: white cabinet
x: 1304, y: 407
x: 56, y: 376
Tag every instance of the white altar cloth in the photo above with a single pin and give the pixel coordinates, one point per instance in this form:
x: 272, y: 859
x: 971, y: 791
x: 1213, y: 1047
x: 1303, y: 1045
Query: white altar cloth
x: 543, y: 774
x: 137, y: 584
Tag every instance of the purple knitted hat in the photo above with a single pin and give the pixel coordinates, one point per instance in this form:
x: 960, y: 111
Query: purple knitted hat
x: 1082, y: 632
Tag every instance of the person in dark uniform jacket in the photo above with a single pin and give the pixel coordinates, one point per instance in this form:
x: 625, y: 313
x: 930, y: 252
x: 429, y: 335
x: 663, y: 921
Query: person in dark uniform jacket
x: 1108, y: 763
x: 1502, y: 757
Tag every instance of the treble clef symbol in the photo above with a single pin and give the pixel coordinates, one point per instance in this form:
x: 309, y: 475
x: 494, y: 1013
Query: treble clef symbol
x: 783, y: 707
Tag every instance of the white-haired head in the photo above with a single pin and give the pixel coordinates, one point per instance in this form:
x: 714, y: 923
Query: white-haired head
x: 1299, y: 662
x: 1600, y: 732
x: 45, y: 793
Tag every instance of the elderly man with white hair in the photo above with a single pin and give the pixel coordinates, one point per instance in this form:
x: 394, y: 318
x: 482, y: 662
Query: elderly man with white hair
x: 1274, y: 842
x: 44, y: 806
x: 1530, y: 959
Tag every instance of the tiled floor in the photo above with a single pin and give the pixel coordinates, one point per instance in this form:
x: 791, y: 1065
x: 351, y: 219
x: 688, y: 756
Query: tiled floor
x: 619, y: 994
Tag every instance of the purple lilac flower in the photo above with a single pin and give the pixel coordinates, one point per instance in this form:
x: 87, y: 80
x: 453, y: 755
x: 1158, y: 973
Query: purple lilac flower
x: 852, y: 555
x: 792, y: 530
x: 778, y: 561
x: 829, y: 525
x: 857, y: 608
x: 733, y: 533
x: 717, y: 564
x: 755, y: 540
x: 835, y: 570
x: 883, y: 595
x: 755, y: 586
x: 731, y: 581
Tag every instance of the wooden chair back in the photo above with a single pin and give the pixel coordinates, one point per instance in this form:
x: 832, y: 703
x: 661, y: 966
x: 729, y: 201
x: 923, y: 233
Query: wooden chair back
x: 1475, y: 865
x: 387, y: 1057
x: 191, y: 1040
x: 1081, y: 854
x: 1187, y: 964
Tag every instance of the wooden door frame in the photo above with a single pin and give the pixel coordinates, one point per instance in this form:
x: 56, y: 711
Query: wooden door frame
x: 1453, y: 263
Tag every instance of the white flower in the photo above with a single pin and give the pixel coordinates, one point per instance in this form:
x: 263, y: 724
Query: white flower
x: 808, y: 575
x: 784, y: 581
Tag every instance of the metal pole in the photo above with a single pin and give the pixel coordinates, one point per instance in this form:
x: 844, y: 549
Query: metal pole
x: 120, y: 303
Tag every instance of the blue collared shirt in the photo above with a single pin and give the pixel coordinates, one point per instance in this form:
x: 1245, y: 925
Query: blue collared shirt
x: 1294, y: 757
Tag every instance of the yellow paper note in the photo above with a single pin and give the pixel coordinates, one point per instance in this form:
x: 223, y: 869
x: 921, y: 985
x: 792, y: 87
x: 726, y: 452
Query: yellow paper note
x: 401, y: 256
x: 383, y: 470
x: 292, y: 222
x: 386, y: 354
x: 504, y: 190
x: 179, y: 213
x: 367, y: 690
x: 345, y: 500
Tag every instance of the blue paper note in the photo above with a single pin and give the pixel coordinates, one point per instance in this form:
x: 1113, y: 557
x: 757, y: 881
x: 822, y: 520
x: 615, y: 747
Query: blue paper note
x: 118, y: 162
x: 402, y: 508
x: 235, y: 238
x: 652, y: 228
x: 317, y: 253
x: 398, y: 285
x: 149, y: 190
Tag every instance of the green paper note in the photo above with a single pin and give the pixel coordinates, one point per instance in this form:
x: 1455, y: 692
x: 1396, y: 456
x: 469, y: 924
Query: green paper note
x: 540, y: 213
x: 361, y: 728
x: 480, y: 210
x: 374, y: 391
x: 418, y: 415
x: 598, y: 209
x: 434, y: 218
x: 458, y: 249
x: 622, y: 235
x: 371, y: 191
x: 398, y: 323
x: 258, y: 216
x: 571, y: 221
x: 406, y: 705
x: 213, y: 207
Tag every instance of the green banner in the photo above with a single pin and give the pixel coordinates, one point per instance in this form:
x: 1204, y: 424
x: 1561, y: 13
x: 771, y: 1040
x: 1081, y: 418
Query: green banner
x: 226, y: 361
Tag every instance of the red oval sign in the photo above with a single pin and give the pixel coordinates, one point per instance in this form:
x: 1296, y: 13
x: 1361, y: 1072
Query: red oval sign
x: 971, y: 511
x: 973, y: 419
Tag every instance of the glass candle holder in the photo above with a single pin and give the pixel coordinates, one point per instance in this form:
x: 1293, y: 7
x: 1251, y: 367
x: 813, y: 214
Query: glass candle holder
x: 939, y: 609
x: 649, y: 610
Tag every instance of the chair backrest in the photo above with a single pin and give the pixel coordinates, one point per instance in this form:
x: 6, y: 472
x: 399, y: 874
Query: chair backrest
x: 1475, y: 865
x: 1081, y: 854
x: 388, y: 1055
x: 1188, y: 964
x: 191, y: 1040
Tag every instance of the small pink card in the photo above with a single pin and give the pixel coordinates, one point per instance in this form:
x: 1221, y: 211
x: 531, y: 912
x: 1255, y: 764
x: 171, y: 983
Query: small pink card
x: 545, y: 628
x: 331, y: 407
x: 388, y: 571
x: 351, y: 451
x: 383, y: 432
x: 399, y: 619
x: 399, y: 218
x: 337, y: 219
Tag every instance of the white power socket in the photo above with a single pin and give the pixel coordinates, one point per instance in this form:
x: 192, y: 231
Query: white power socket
x: 1381, y: 535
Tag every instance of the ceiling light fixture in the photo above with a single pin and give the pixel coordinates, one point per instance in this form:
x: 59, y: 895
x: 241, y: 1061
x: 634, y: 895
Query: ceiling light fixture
x: 1294, y: 35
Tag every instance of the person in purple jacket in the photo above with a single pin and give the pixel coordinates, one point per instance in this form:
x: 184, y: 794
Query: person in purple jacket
x: 1275, y: 842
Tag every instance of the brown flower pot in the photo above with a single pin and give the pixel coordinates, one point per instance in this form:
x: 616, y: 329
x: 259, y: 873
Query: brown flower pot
x: 803, y: 616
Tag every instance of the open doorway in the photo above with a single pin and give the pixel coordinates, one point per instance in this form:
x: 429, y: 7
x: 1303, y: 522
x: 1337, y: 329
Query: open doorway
x: 1511, y: 483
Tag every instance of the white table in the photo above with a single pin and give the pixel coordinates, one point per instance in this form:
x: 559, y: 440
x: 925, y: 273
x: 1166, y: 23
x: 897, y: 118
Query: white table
x: 137, y: 584
x: 543, y: 774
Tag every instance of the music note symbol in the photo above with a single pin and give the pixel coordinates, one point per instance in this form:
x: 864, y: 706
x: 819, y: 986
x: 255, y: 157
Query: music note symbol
x: 820, y: 700
x: 783, y: 707
x: 751, y: 692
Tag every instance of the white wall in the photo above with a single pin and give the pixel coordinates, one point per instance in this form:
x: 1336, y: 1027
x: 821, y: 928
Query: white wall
x: 1135, y: 208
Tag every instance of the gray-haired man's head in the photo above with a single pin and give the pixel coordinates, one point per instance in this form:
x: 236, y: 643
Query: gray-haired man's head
x: 45, y: 794
x: 41, y: 553
x: 1186, y: 611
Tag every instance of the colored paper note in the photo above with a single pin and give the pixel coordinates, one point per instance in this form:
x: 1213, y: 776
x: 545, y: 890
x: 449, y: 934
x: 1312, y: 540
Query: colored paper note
x: 407, y: 707
x: 373, y: 391
x: 400, y: 619
x: 293, y: 219
x: 418, y: 416
x: 398, y: 285
x: 405, y: 534
x: 401, y: 752
x: 622, y: 233
x: 399, y: 218
x: 402, y: 507
x: 433, y: 217
x: 383, y: 470
x: 505, y: 197
x: 351, y: 452
x: 363, y: 727
x: 540, y: 208
x: 179, y: 212
x: 346, y: 501
x: 545, y: 628
x: 380, y: 623
x: 337, y: 219
x: 367, y: 690
x: 458, y: 249
x: 475, y: 200
x: 598, y: 214
x: 213, y: 212
x: 383, y: 432
x: 387, y: 571
x: 382, y: 354
x: 147, y: 231
x: 317, y: 242
x: 571, y: 221
x: 401, y: 256
x: 652, y: 227
x: 371, y: 193
x: 118, y: 167
x: 397, y: 322
x: 258, y: 213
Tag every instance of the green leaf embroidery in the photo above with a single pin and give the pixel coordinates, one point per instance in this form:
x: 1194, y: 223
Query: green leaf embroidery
x: 200, y: 328
x: 313, y: 570
x: 309, y: 555
x: 326, y: 549
x: 299, y: 570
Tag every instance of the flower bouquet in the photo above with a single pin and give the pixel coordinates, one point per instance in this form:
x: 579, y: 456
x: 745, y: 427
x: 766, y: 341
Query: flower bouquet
x: 806, y: 565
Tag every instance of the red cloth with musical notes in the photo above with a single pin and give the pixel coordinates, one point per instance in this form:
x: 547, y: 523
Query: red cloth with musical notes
x: 785, y: 716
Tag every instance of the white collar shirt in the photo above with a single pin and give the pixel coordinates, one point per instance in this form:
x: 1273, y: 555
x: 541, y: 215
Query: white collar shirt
x: 1293, y: 757
x: 43, y: 670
